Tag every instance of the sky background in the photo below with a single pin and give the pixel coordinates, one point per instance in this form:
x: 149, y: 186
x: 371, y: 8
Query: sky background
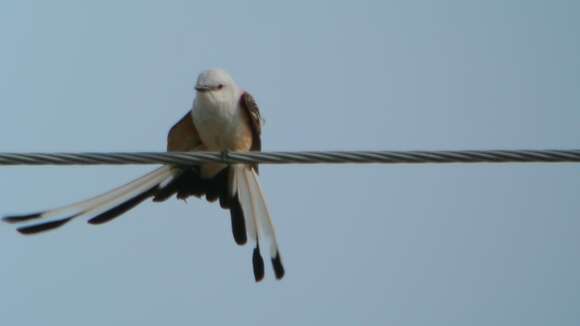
x: 402, y: 244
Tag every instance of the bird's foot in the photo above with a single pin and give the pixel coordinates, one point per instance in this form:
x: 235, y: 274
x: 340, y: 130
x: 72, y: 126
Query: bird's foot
x: 225, y: 156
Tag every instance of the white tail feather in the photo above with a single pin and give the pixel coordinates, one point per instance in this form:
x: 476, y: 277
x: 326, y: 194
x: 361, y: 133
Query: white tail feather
x: 100, y: 200
x: 244, y: 194
x: 159, y: 176
x: 263, y: 214
x: 254, y: 205
x: 167, y: 181
x: 256, y: 213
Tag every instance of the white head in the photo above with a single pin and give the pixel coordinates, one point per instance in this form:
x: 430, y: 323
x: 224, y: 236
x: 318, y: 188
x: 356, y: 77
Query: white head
x: 216, y: 85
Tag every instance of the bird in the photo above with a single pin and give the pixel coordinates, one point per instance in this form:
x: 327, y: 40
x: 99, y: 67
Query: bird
x: 223, y: 118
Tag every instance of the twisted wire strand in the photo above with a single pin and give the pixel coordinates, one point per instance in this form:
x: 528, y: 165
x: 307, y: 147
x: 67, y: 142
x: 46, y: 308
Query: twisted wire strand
x: 303, y: 157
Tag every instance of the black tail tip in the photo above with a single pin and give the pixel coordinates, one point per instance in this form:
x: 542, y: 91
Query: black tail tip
x: 240, y: 237
x: 278, y: 267
x: 258, y: 264
x: 238, y: 224
x: 21, y: 218
x: 37, y: 228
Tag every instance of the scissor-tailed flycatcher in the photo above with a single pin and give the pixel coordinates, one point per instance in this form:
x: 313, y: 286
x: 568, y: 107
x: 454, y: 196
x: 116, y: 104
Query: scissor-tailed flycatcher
x: 223, y: 117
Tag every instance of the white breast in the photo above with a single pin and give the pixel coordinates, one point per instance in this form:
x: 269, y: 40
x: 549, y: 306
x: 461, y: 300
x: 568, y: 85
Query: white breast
x: 221, y: 124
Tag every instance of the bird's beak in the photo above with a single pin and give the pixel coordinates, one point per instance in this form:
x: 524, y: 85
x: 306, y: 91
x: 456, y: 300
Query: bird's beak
x: 202, y: 88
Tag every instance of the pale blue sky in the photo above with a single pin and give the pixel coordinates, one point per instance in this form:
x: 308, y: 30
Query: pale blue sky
x: 369, y: 244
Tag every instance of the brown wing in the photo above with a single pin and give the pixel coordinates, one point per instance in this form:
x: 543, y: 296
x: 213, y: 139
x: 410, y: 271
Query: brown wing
x: 183, y: 136
x: 248, y: 103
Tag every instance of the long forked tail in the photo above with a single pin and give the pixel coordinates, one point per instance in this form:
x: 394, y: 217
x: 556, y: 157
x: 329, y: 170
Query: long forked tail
x: 257, y: 218
x: 99, y: 209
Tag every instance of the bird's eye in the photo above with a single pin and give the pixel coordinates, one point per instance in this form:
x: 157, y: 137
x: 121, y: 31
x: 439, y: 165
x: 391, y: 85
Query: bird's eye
x: 220, y: 86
